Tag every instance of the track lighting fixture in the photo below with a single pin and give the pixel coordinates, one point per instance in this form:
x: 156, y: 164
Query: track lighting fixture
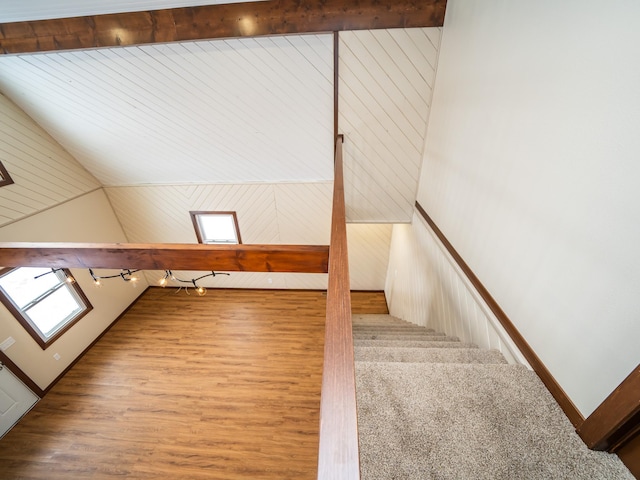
x: 200, y: 290
x: 128, y: 275
x: 67, y: 276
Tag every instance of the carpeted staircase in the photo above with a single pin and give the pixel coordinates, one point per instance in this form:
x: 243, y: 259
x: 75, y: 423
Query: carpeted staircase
x: 431, y: 407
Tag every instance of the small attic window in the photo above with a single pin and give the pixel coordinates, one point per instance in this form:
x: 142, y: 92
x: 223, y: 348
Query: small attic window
x: 216, y: 227
x: 5, y: 178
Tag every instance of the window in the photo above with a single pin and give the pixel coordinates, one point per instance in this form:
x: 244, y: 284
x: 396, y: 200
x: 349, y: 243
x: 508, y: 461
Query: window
x: 47, y: 302
x: 216, y: 227
x: 5, y: 179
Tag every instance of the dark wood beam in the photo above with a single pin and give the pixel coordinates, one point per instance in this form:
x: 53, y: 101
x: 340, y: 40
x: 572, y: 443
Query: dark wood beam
x: 273, y: 17
x: 173, y: 256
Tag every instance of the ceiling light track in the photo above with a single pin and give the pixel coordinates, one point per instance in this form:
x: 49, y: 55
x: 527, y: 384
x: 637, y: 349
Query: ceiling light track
x: 200, y: 290
x: 128, y: 275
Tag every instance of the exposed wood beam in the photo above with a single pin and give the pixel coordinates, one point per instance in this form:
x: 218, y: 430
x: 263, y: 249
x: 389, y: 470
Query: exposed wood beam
x: 174, y: 256
x: 273, y: 17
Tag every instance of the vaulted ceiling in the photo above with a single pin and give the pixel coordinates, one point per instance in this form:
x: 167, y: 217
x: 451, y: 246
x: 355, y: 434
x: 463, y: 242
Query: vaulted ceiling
x: 241, y: 124
x: 24, y: 10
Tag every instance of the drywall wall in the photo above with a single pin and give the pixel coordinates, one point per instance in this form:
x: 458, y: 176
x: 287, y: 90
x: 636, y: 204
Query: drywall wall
x: 88, y: 218
x: 425, y: 286
x: 531, y: 171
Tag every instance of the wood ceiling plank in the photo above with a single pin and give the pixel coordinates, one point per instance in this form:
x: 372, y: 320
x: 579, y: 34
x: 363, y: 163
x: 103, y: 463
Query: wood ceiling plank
x: 165, y: 256
x: 273, y: 17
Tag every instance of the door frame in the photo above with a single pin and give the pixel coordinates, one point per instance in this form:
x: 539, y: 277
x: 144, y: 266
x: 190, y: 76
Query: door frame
x: 23, y: 377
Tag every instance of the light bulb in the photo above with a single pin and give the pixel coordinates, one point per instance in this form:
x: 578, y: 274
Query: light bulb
x: 97, y: 282
x: 163, y: 282
x: 201, y: 291
x: 70, y: 279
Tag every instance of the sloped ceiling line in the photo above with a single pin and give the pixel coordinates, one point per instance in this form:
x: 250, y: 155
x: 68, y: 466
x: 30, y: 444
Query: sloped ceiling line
x: 386, y: 83
x: 244, y: 125
x: 213, y: 112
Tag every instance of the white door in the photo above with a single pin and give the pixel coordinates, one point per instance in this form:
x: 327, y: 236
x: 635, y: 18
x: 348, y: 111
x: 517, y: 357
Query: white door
x: 15, y: 399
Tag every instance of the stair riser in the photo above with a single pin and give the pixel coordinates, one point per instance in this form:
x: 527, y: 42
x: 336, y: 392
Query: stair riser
x: 422, y: 338
x: 384, y: 324
x: 429, y: 355
x: 410, y: 344
x: 383, y: 327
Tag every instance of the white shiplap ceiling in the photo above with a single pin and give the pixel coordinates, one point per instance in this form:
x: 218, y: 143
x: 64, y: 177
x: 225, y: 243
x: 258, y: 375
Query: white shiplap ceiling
x: 386, y: 82
x: 23, y: 10
x: 225, y: 111
x: 244, y: 125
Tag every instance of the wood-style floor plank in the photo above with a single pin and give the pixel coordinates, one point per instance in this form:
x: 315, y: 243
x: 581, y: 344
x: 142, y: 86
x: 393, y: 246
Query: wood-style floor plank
x: 225, y: 386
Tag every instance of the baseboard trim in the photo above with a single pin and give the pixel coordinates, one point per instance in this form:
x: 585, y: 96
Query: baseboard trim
x: 104, y: 332
x: 541, y: 370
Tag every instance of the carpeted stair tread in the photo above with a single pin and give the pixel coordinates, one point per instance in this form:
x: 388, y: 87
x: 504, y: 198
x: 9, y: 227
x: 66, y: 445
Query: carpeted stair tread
x: 372, y: 324
x: 412, y: 344
x: 428, y: 355
x: 388, y: 325
x: 376, y: 316
x: 423, y: 330
x: 379, y: 319
x: 460, y: 421
x: 387, y: 336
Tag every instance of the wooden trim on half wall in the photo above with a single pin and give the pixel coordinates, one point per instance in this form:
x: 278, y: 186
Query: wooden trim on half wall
x: 338, y: 456
x: 336, y: 83
x: 249, y: 19
x: 552, y: 385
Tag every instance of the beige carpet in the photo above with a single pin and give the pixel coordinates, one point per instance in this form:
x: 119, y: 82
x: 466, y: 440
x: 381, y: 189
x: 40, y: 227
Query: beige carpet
x: 481, y: 419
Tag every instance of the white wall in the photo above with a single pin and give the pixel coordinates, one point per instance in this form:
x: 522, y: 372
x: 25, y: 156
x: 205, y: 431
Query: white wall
x: 531, y: 170
x: 85, y: 219
x: 426, y: 286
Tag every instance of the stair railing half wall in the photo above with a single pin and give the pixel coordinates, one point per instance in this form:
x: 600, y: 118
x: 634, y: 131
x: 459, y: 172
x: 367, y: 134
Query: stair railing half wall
x: 552, y: 385
x: 614, y: 424
x: 338, y: 457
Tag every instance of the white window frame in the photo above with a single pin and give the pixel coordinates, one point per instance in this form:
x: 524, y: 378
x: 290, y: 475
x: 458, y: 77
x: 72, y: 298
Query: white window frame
x: 202, y: 238
x: 65, y: 280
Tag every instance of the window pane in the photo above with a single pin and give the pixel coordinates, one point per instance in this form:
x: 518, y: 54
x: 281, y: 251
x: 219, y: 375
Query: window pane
x: 19, y: 284
x: 218, y: 228
x: 53, y: 311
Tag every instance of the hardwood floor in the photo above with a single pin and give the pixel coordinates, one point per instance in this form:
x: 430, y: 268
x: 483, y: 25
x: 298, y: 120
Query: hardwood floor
x: 224, y: 386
